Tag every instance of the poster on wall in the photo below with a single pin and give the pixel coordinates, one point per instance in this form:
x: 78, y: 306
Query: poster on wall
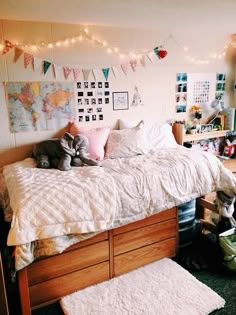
x: 92, y: 97
x: 34, y: 106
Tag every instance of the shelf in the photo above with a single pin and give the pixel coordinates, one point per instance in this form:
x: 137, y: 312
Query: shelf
x: 181, y: 136
x: 205, y: 135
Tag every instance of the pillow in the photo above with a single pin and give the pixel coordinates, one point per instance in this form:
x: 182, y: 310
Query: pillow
x: 161, y: 136
x: 127, y: 142
x: 124, y: 123
x: 97, y: 139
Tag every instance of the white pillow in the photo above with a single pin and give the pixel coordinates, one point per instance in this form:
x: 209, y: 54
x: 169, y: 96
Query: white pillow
x: 127, y: 142
x: 161, y: 136
x: 124, y: 123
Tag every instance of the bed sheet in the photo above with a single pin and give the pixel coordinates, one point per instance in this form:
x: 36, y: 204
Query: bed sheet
x: 121, y: 191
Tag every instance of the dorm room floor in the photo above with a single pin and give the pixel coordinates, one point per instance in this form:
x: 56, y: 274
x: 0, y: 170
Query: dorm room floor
x: 201, y: 259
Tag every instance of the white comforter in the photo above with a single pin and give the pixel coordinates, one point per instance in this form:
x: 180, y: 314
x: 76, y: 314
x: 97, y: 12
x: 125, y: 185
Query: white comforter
x: 51, y: 203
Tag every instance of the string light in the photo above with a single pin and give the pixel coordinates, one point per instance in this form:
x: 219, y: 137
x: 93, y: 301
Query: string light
x: 134, y: 55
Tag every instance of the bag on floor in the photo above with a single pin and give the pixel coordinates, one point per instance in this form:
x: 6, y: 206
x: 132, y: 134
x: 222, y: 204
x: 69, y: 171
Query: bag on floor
x: 227, y: 241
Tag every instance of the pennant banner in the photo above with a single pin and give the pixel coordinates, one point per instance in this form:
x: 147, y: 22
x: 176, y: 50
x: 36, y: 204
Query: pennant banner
x: 28, y: 59
x: 7, y: 47
x: 46, y: 65
x: 56, y: 70
x: 18, y: 53
x: 76, y: 73
x: 66, y: 71
x: 142, y: 60
x: 86, y: 73
x: 124, y: 67
x: 37, y: 63
x: 115, y: 71
x: 105, y: 72
x: 96, y: 74
x: 133, y: 64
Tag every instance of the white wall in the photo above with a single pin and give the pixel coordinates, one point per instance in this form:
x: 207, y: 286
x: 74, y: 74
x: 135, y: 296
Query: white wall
x: 156, y: 81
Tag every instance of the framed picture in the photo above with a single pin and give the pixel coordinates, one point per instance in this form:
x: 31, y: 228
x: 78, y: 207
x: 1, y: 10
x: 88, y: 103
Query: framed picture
x: 206, y: 128
x: 120, y: 100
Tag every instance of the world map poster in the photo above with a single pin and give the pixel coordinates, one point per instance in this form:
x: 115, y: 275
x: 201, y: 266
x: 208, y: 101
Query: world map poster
x: 36, y: 106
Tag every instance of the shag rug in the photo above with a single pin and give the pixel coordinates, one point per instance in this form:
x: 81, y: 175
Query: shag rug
x: 162, y: 287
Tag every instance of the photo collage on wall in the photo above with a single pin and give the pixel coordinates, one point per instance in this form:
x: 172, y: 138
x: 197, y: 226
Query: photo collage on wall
x: 181, y: 92
x: 92, y: 97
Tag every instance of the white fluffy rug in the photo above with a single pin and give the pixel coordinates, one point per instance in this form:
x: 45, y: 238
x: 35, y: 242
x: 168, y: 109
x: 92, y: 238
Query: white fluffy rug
x: 160, y: 288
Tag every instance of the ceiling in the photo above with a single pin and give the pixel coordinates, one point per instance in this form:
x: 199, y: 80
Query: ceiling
x: 216, y: 15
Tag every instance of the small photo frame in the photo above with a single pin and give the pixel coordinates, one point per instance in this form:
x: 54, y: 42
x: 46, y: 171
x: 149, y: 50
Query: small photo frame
x: 120, y: 100
x: 206, y: 128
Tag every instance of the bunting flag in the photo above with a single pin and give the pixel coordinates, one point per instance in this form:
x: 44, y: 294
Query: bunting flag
x: 37, y: 63
x: 18, y: 53
x: 115, y: 71
x: 105, y: 72
x: 28, y: 59
x: 66, y: 71
x: 124, y: 67
x: 142, y: 60
x: 86, y: 73
x: 96, y: 74
x: 76, y: 73
x: 156, y: 50
x: 150, y: 56
x: 46, y: 65
x: 56, y: 71
x: 7, y: 47
x: 133, y: 64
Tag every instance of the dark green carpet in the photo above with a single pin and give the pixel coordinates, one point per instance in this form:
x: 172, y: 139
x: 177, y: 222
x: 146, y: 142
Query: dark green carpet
x: 203, y: 262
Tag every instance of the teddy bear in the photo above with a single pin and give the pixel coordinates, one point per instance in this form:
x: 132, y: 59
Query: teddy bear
x: 63, y: 153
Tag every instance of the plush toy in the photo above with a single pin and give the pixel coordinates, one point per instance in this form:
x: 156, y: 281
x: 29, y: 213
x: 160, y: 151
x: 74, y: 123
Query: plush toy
x: 63, y: 153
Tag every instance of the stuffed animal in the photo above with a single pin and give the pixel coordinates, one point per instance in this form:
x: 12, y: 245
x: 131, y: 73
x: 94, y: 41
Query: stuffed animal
x: 63, y: 153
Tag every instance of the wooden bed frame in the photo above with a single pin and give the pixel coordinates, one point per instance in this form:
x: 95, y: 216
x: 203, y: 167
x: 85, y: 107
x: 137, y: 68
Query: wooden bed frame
x: 97, y: 259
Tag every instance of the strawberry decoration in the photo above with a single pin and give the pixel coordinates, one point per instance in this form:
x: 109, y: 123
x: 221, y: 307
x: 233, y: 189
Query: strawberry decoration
x: 160, y: 52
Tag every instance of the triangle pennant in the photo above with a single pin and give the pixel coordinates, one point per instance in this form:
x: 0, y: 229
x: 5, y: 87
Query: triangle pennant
x: 76, y: 73
x: 28, y: 58
x: 66, y: 71
x: 133, y: 64
x: 86, y: 73
x: 37, y: 63
x: 106, y: 72
x: 18, y: 53
x: 115, y: 71
x: 46, y: 65
x: 7, y: 47
x: 156, y: 50
x: 142, y: 60
x: 150, y: 56
x: 124, y: 67
x: 96, y: 74
x: 56, y: 71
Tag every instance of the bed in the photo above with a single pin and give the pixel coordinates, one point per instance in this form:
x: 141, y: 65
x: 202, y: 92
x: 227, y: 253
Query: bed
x: 77, y: 228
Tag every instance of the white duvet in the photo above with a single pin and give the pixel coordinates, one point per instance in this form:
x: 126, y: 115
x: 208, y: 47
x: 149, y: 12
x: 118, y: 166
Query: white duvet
x: 86, y: 200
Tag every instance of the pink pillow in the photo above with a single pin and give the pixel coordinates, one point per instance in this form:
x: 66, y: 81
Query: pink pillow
x: 97, y: 139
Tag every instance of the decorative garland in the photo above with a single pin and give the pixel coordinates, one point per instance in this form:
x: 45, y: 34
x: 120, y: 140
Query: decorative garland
x: 30, y: 59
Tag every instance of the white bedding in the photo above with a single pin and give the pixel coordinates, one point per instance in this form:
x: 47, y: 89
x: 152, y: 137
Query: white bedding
x: 51, y: 203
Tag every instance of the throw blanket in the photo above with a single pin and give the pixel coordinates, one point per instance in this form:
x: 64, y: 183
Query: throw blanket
x: 87, y: 200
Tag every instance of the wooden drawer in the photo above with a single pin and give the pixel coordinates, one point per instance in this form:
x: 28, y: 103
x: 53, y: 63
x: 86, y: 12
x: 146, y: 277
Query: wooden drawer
x: 67, y: 262
x: 144, y: 236
x: 139, y: 257
x: 54, y: 289
x: 159, y: 217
